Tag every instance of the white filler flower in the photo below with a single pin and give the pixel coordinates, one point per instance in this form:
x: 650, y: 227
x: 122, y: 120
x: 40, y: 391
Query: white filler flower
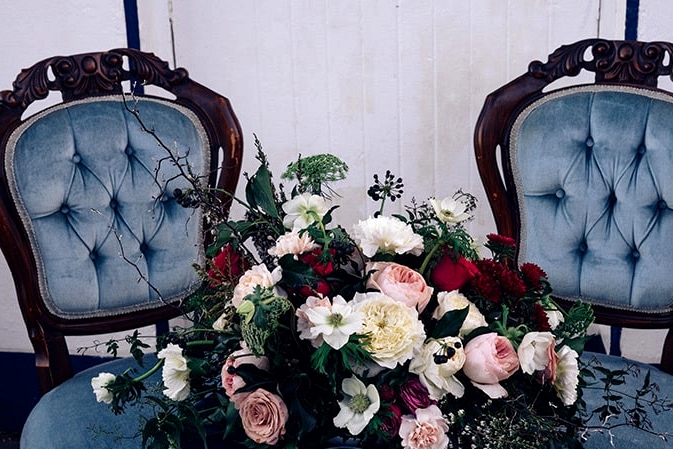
x: 175, y: 373
x: 99, y: 385
x: 358, y: 407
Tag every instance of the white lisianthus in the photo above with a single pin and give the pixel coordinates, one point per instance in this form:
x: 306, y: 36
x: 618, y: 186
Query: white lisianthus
x: 99, y: 385
x: 437, y: 374
x: 454, y: 300
x: 533, y: 351
x: 567, y: 375
x: 335, y: 323
x: 293, y: 243
x: 449, y: 210
x: 394, y: 330
x: 257, y: 275
x: 359, y: 405
x: 304, y: 209
x: 175, y: 373
x: 387, y: 235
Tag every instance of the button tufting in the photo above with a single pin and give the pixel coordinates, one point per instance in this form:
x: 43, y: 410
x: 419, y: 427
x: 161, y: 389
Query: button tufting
x: 589, y: 142
x: 113, y: 204
x: 560, y: 193
x: 662, y: 204
x: 641, y: 149
x: 93, y: 255
x: 65, y: 209
x: 583, y: 247
x: 76, y: 158
x: 143, y: 247
x: 635, y: 254
x: 129, y: 151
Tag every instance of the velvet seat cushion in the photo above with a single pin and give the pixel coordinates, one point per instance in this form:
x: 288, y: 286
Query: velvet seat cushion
x: 626, y: 436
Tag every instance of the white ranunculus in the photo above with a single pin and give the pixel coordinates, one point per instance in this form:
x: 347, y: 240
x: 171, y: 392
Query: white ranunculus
x: 533, y: 351
x: 387, y: 235
x: 99, y: 385
x: 449, y: 210
x: 175, y: 373
x: 439, y: 378
x: 293, y: 243
x: 304, y: 209
x: 394, y: 330
x: 454, y: 300
x: 335, y: 323
x: 567, y: 375
x: 359, y: 405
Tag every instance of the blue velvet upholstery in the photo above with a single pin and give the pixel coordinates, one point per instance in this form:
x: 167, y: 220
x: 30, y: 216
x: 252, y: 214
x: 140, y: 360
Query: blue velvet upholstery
x: 86, y: 176
x: 68, y: 417
x: 624, y: 436
x: 593, y: 165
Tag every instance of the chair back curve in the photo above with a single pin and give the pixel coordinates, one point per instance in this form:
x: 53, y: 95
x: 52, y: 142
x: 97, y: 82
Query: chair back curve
x: 582, y: 177
x: 90, y: 225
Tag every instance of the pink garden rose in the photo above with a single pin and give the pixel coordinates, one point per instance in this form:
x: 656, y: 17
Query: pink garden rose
x: 426, y: 430
x: 489, y: 359
x: 400, y: 283
x: 232, y: 382
x: 263, y: 415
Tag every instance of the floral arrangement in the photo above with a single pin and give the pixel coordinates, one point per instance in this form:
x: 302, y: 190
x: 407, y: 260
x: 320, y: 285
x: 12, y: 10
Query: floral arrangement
x: 398, y: 332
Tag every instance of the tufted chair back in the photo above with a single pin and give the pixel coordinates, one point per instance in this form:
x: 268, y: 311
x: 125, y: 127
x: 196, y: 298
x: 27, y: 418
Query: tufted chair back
x: 584, y: 182
x: 90, y: 224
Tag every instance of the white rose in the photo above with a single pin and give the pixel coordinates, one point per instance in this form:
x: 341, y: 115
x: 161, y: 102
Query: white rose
x: 454, y: 300
x: 175, y: 373
x: 387, y: 235
x: 439, y: 378
x: 533, y: 351
x: 99, y: 385
x: 257, y: 275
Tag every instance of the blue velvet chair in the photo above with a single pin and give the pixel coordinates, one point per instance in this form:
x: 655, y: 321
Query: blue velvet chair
x: 90, y: 220
x: 582, y: 177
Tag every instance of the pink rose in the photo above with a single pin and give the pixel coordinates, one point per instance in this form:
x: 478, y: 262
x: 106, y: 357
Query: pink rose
x: 263, y: 415
x: 489, y: 359
x: 400, y: 283
x: 232, y: 382
x: 426, y: 430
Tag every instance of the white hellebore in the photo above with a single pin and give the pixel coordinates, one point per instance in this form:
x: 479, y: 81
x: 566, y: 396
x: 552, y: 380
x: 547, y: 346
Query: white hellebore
x: 175, y: 373
x: 99, y: 385
x: 567, y: 375
x: 449, y: 210
x: 533, y: 351
x: 388, y: 235
x: 336, y: 323
x: 436, y: 366
x: 304, y: 209
x: 358, y: 407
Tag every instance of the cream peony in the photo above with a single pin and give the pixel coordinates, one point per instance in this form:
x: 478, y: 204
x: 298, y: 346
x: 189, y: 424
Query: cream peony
x: 426, y: 430
x: 533, y: 351
x: 567, y: 375
x: 387, y: 235
x: 400, y: 283
x: 293, y: 243
x: 358, y: 407
x: 394, y: 330
x: 99, y: 385
x: 437, y: 374
x: 175, y: 373
x: 257, y: 275
x: 449, y: 210
x: 454, y: 300
x: 304, y: 209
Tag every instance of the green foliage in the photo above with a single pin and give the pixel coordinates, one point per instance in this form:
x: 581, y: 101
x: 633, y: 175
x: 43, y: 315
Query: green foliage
x: 315, y: 173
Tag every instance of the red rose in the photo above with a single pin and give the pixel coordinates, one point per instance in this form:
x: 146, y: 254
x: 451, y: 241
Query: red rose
x: 228, y: 265
x: 452, y: 273
x: 321, y: 267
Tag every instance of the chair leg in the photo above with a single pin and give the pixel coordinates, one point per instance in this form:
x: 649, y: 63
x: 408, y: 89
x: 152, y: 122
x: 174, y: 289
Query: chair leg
x: 667, y: 353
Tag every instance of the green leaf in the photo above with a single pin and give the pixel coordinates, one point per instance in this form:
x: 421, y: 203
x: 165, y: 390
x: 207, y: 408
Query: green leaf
x: 449, y: 325
x: 259, y: 193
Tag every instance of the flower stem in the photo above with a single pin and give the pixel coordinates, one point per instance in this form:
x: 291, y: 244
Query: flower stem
x: 426, y: 261
x: 149, y: 372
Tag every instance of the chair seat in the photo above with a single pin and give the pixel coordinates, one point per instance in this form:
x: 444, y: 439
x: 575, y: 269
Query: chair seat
x: 625, y: 436
x: 68, y: 417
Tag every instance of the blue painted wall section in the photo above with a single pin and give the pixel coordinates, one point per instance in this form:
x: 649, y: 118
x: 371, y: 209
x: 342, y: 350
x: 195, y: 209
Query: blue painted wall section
x: 631, y: 25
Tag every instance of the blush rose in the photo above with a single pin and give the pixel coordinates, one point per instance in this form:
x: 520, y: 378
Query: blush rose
x: 400, y: 283
x: 263, y: 415
x: 489, y: 359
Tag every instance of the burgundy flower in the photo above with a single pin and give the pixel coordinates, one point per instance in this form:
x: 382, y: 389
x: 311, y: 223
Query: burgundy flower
x: 512, y: 283
x: 391, y: 421
x: 228, y: 265
x: 532, y: 274
x: 414, y: 395
x: 452, y: 273
x: 540, y: 318
x: 501, y: 240
x: 387, y: 393
x: 313, y: 259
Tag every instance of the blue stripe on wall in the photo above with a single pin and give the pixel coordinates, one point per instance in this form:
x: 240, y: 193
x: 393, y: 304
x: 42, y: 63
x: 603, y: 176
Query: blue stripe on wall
x: 132, y: 24
x: 631, y: 26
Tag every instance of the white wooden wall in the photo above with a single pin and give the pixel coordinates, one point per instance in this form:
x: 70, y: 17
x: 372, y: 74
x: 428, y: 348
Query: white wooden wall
x: 384, y: 84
